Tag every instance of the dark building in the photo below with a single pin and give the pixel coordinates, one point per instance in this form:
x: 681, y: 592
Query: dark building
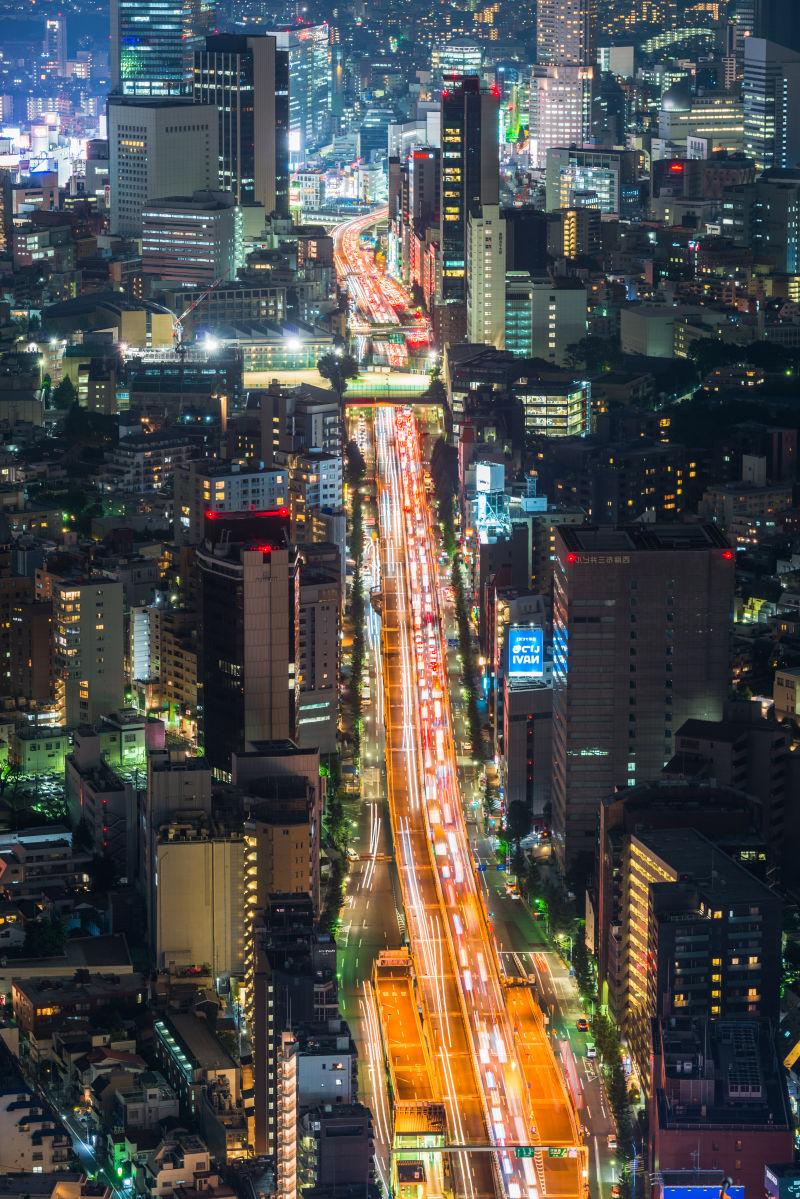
x: 470, y: 178
x: 526, y: 239
x: 337, y: 1147
x: 719, y: 1102
x: 747, y: 751
x: 641, y: 635
x: 776, y: 20
x: 293, y: 975
x: 249, y: 607
x: 248, y: 80
x: 701, y: 937
x: 726, y: 816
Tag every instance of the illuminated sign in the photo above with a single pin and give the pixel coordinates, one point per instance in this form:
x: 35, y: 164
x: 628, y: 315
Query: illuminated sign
x: 703, y: 1192
x: 526, y: 651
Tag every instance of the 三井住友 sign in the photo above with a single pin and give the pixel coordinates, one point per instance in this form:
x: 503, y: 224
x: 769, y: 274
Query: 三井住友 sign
x: 526, y: 651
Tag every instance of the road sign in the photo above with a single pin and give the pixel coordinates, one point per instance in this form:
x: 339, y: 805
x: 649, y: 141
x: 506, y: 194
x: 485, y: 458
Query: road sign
x: 557, y: 1151
x: 524, y: 1151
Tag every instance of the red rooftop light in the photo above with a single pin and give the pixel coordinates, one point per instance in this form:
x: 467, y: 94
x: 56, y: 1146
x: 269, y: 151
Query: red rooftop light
x: 572, y: 558
x: 727, y: 555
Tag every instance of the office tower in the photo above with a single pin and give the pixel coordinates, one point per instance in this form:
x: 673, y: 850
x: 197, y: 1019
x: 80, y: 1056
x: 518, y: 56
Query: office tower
x: 54, y: 48
x: 157, y: 148
x: 777, y: 21
x: 566, y: 32
x: 641, y: 634
x: 470, y: 179
x: 309, y: 59
x: 15, y: 590
x: 193, y: 240
x: 765, y: 216
x: 561, y: 82
x: 601, y: 179
x: 771, y: 99
x: 486, y: 274
x: 701, y: 937
x: 281, y: 841
x: 247, y: 78
x: 152, y: 44
x: 89, y: 648
x: 248, y: 588
x: 544, y: 317
x: 318, y: 647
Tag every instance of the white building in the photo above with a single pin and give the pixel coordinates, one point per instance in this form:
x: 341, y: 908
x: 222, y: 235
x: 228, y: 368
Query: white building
x: 200, y: 488
x: 158, y: 147
x: 194, y: 239
x: 31, y: 1140
x: 560, y: 109
x: 486, y: 274
x: 558, y: 319
x: 89, y: 648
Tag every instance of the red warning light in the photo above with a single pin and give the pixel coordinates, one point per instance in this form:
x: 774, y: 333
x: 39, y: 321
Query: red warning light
x: 727, y: 555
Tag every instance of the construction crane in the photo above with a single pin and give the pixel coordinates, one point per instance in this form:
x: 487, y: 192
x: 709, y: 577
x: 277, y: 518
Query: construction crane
x: 177, y: 321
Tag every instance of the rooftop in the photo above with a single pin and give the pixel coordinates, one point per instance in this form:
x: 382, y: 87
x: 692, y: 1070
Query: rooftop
x: 697, y: 860
x: 191, y: 1037
x: 594, y: 539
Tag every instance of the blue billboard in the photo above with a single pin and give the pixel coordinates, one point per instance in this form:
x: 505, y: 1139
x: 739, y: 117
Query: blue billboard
x: 703, y: 1192
x: 526, y: 652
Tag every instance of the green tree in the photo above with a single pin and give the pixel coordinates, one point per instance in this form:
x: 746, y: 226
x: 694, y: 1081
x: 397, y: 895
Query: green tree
x: 518, y: 821
x: 64, y: 395
x: 338, y: 369
x: 594, y: 354
x: 44, y: 938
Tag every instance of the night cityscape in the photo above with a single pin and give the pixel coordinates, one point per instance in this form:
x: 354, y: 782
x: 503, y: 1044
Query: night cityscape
x: 399, y: 599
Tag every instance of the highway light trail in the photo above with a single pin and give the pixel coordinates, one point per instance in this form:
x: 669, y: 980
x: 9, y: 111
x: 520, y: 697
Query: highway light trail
x: 450, y: 936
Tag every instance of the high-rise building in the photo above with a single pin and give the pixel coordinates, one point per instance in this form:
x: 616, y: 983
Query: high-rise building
x: 89, y: 648
x: 249, y: 597
x: 54, y: 48
x: 561, y: 83
x: 486, y: 275
x: 157, y: 148
x: 152, y: 43
x: 470, y: 179
x: 641, y: 634
x: 318, y: 647
x: 247, y: 78
x: 193, y: 239
x: 771, y: 98
x: 777, y: 21
x: 566, y: 32
x: 701, y: 936
x: 309, y: 58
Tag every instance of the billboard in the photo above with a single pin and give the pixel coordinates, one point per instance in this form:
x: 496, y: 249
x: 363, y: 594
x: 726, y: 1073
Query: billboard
x: 526, y: 652
x: 703, y: 1192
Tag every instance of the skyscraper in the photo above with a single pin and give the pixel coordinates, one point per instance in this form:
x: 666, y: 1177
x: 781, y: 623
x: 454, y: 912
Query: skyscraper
x: 157, y: 148
x: 152, y: 45
x: 566, y: 32
x: 249, y: 616
x: 308, y: 50
x: 778, y: 21
x: 54, y: 48
x: 771, y: 98
x: 470, y: 179
x: 561, y: 84
x: 641, y: 629
x: 247, y: 78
